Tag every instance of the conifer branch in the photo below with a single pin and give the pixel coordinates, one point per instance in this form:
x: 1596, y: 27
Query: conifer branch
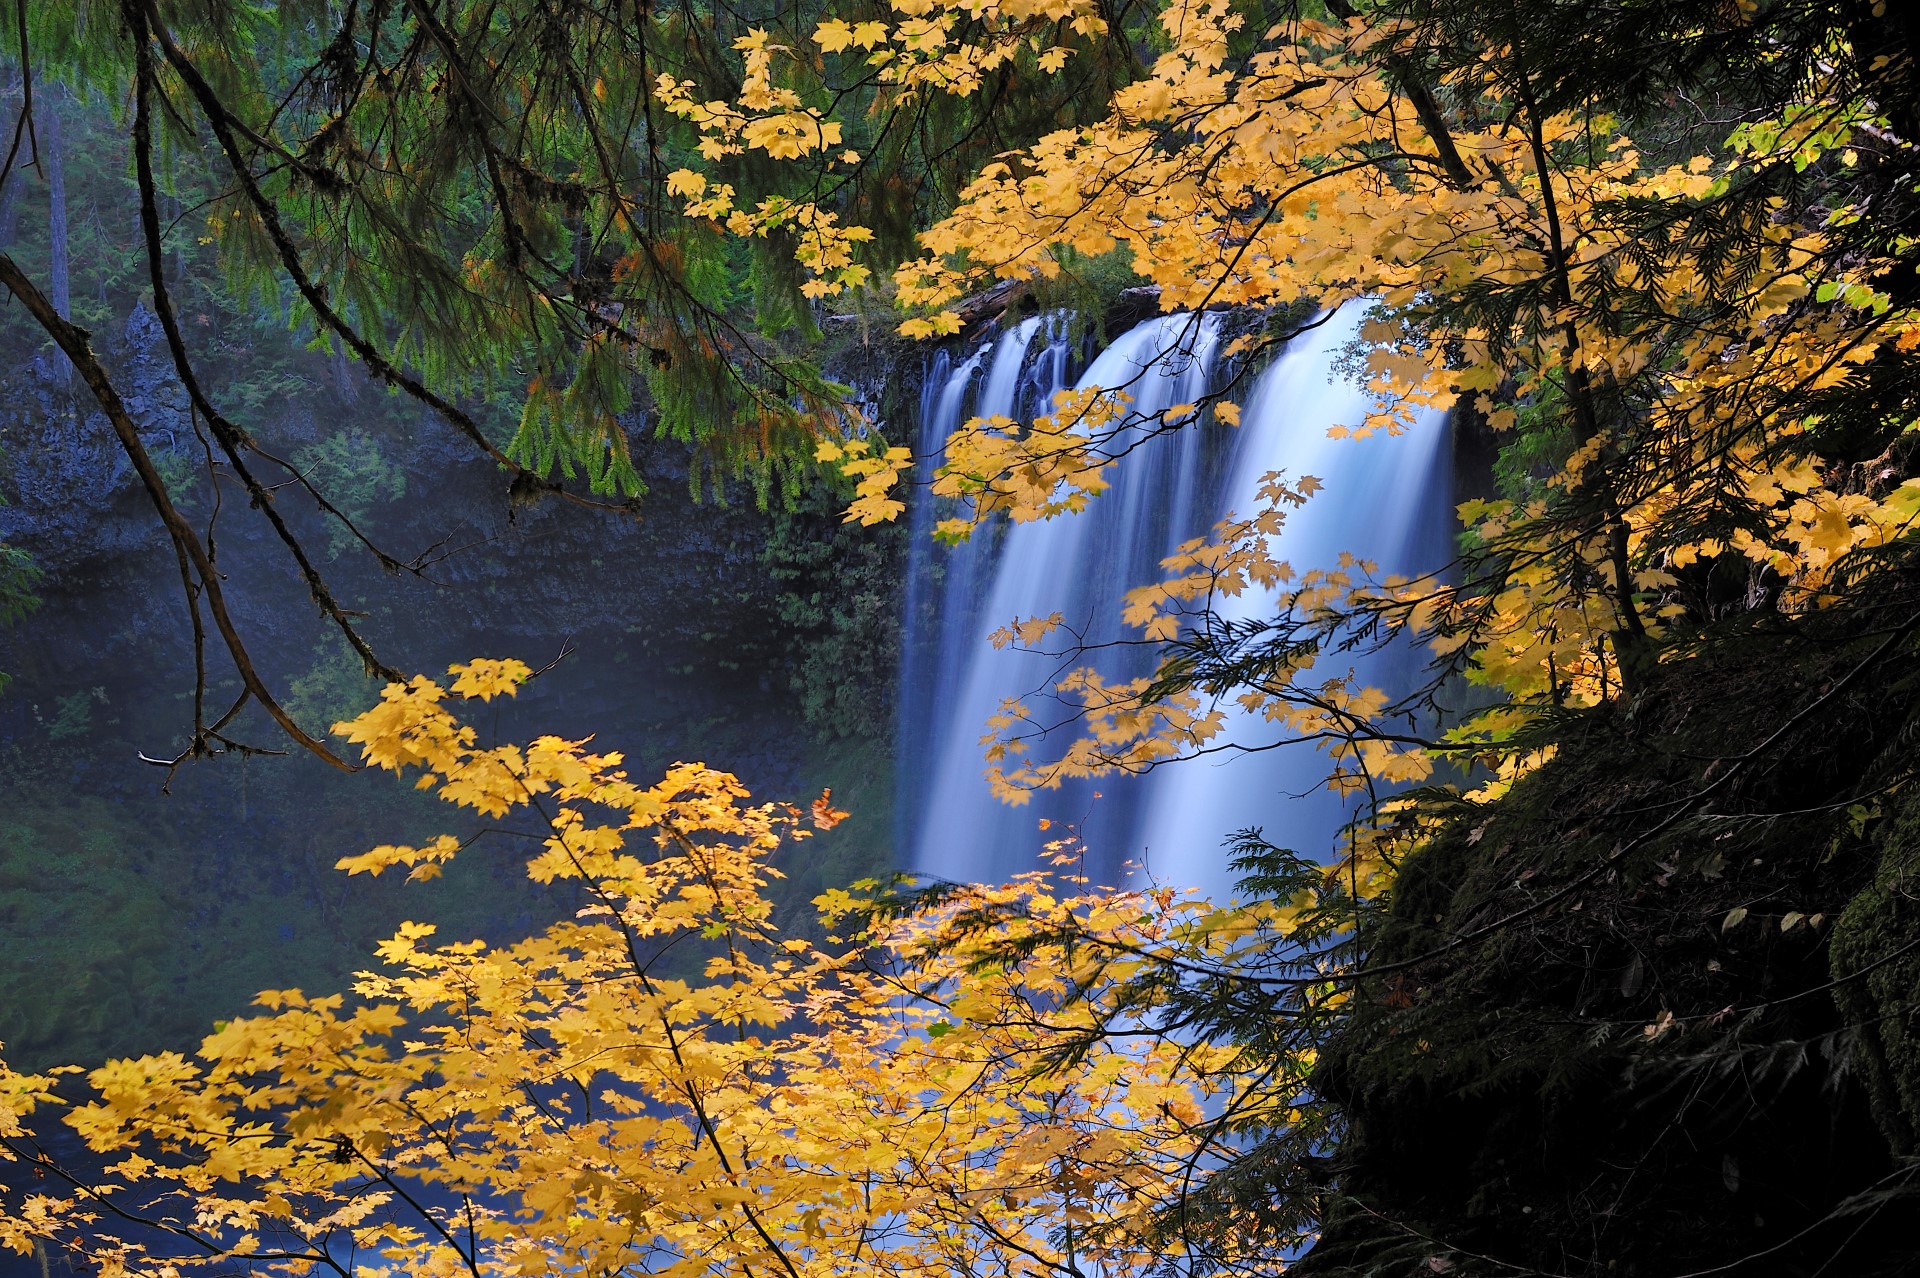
x: 223, y: 123
x: 230, y: 437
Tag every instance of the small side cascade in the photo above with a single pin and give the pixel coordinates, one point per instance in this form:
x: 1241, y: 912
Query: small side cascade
x: 1385, y: 498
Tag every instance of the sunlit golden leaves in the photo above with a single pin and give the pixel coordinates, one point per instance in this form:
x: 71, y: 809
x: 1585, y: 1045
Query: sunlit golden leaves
x: 1307, y: 176
x: 875, y: 471
x: 571, y: 1102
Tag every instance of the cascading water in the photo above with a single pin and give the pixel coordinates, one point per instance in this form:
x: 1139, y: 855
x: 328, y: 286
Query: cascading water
x: 1385, y: 499
x: 1079, y: 566
x: 1004, y: 376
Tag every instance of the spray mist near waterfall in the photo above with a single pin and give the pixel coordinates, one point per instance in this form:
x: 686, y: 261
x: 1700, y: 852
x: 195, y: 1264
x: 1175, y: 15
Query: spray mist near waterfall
x: 1385, y: 498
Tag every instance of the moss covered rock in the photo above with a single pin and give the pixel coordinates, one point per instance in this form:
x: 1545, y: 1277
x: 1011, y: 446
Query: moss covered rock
x: 1600, y: 1034
x: 1876, y: 969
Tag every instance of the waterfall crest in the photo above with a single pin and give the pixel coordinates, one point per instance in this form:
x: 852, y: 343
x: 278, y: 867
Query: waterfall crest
x: 1385, y: 498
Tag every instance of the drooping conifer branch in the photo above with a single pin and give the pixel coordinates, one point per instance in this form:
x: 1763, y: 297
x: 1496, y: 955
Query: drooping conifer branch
x: 232, y: 439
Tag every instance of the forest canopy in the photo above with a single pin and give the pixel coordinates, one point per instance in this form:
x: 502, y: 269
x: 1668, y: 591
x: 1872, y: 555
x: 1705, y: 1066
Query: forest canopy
x: 1661, y: 255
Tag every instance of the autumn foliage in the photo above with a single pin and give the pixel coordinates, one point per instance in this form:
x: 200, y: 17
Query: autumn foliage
x: 1709, y: 335
x: 897, y: 1101
x: 1706, y: 328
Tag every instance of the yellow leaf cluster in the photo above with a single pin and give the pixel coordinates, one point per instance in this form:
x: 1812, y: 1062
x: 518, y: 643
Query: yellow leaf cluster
x: 577, y: 1102
x: 875, y: 471
x: 1263, y: 183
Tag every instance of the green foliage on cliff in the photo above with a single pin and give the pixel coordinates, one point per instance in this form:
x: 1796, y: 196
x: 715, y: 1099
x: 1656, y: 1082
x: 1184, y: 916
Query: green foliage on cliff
x: 18, y: 578
x: 839, y: 600
x: 349, y: 467
x: 1876, y: 967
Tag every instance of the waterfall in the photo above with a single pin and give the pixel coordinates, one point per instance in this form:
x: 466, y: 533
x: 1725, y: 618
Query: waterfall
x: 1385, y: 498
x: 1080, y: 566
x: 1003, y: 376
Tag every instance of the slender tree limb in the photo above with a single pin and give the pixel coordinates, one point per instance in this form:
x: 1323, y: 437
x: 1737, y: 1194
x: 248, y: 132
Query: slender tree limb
x: 74, y: 342
x: 230, y: 438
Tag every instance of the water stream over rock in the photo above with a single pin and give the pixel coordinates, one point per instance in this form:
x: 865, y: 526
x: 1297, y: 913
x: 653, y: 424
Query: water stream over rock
x: 1385, y: 498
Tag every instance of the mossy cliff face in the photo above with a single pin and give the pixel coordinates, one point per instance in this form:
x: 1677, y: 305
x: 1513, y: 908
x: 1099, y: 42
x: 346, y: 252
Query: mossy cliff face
x: 1654, y: 1011
x: 1876, y: 968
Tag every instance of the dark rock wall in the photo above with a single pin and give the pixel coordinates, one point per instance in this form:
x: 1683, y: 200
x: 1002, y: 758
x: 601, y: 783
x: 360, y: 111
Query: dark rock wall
x: 1651, y: 1012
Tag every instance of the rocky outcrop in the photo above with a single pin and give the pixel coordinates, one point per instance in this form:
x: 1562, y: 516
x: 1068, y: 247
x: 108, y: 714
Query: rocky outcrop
x: 1651, y: 1012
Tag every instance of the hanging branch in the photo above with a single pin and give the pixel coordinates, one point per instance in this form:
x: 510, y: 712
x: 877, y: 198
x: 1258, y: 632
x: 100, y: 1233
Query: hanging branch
x: 229, y: 436
x: 314, y: 294
x: 74, y: 341
x: 22, y: 126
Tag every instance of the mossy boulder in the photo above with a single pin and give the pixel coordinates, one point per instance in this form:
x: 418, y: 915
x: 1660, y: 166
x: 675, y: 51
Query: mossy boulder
x: 1601, y: 1034
x: 1876, y: 970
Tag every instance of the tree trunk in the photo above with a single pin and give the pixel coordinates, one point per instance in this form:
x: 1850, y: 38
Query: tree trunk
x: 345, y: 384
